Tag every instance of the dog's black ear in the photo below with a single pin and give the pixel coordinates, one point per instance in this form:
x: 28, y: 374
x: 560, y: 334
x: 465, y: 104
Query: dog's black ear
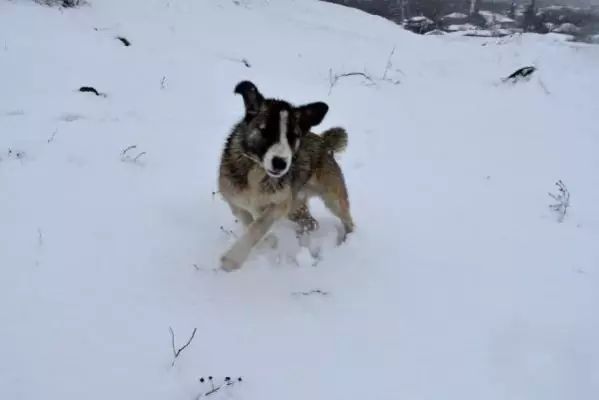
x: 311, y: 114
x: 252, y: 98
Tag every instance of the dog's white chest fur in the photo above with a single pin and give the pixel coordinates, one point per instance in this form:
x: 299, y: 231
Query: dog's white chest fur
x: 255, y: 198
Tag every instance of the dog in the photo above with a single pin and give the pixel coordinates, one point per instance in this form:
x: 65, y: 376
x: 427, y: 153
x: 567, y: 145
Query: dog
x: 271, y: 165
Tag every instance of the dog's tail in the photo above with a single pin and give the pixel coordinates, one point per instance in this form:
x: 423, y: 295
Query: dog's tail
x: 335, y: 139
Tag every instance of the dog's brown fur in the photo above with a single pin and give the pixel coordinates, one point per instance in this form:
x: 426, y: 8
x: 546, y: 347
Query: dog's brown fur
x: 258, y: 200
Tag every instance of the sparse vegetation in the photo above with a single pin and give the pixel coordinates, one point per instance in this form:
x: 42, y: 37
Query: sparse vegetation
x: 13, y: 154
x: 368, y: 79
x: 62, y: 3
x: 562, y: 201
x: 177, y: 352
x: 125, y: 157
x: 334, y: 78
x: 227, y: 382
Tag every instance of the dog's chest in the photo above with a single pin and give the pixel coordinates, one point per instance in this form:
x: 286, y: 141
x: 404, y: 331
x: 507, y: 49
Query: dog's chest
x: 262, y: 191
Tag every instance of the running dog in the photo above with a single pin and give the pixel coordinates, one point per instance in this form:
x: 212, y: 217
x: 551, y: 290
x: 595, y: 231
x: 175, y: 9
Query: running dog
x: 271, y: 165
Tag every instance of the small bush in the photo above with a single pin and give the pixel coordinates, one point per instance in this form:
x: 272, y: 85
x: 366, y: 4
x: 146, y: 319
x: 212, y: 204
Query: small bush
x: 62, y: 3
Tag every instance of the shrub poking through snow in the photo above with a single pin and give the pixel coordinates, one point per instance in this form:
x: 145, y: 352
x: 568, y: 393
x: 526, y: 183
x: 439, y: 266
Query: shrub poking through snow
x: 562, y: 199
x: 228, y: 381
x: 177, y: 352
x: 62, y: 3
x: 367, y: 78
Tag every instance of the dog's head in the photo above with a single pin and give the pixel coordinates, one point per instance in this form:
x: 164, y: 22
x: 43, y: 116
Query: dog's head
x: 275, y: 127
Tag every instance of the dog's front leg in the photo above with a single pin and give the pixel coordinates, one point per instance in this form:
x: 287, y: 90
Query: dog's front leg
x: 236, y: 256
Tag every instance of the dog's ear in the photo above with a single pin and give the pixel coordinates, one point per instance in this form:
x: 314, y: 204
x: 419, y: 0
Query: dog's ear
x: 311, y: 114
x: 252, y: 98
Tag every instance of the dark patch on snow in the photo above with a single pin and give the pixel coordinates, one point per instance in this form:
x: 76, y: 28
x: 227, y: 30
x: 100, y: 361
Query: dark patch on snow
x: 124, y: 40
x: 89, y: 89
x: 520, y: 74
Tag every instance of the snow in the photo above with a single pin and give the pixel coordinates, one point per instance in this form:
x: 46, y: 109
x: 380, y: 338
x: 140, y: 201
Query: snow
x: 435, y: 32
x: 455, y: 15
x: 421, y: 18
x: 567, y: 28
x: 492, y: 17
x: 461, y: 27
x: 459, y: 283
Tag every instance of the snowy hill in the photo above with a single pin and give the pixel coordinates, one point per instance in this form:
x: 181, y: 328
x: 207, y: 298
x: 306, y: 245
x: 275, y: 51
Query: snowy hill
x: 459, y: 282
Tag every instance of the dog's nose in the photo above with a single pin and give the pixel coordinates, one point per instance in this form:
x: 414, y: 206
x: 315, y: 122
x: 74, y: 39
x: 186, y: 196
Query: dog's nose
x: 278, y: 164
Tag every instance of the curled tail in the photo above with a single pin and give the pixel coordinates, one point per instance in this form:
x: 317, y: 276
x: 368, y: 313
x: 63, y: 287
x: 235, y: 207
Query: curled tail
x: 335, y: 139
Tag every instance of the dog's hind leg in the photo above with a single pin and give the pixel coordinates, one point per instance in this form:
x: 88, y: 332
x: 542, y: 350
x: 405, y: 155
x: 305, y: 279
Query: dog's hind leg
x: 338, y: 203
x: 236, y: 256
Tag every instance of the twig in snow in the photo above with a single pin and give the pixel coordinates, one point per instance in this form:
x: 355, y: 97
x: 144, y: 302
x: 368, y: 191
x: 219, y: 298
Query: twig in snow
x: 124, y: 152
x: 175, y: 351
x: 562, y: 199
x: 542, y: 85
x: 334, y: 78
x: 163, y: 83
x: 51, y: 139
x: 139, y: 155
x: 40, y: 238
x: 389, y: 63
x: 388, y: 67
x: 311, y: 292
x: 14, y: 113
x: 126, y: 158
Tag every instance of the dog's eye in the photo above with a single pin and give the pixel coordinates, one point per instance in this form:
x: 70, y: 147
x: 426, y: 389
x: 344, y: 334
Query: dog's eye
x: 255, y: 136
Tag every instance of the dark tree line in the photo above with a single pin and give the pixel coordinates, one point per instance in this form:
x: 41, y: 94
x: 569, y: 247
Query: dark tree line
x: 398, y: 10
x: 529, y: 15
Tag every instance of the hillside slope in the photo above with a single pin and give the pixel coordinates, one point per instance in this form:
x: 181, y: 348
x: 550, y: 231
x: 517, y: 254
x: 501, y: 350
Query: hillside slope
x: 459, y: 282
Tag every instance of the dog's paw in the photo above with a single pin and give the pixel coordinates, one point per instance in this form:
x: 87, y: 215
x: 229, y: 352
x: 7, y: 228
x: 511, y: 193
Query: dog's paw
x: 342, y: 234
x: 228, y: 263
x: 306, y: 227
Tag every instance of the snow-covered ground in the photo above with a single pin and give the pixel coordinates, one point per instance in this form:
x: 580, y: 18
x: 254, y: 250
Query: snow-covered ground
x: 459, y: 282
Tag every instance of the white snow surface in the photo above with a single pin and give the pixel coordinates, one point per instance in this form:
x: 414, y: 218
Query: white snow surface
x: 459, y: 282
x: 493, y: 17
x: 455, y: 15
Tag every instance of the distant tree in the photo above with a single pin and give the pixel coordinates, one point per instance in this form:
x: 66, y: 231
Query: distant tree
x: 532, y: 21
x: 512, y: 11
x: 473, y: 9
x: 432, y: 9
x: 528, y: 22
